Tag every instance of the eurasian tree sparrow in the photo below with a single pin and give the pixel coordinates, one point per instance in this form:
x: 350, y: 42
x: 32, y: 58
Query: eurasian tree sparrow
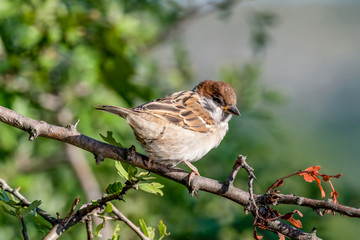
x: 183, y: 126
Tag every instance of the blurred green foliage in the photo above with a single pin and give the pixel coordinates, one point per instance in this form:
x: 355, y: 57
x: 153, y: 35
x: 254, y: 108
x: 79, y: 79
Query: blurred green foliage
x: 58, y: 58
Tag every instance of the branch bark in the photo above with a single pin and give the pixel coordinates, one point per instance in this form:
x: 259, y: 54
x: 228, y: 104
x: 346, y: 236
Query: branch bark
x: 102, y: 150
x: 26, y: 202
x: 127, y: 221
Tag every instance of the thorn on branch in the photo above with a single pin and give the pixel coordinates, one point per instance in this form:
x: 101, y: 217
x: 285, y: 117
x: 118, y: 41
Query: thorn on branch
x: 33, y: 134
x: 318, y: 211
x: 77, y: 122
x: 98, y: 158
x: 72, y: 127
x: 313, y: 234
x: 131, y: 153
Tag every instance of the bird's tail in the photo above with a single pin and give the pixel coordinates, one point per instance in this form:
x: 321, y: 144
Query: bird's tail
x: 122, y: 112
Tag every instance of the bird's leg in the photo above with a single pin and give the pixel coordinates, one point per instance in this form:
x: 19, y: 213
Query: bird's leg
x: 194, y: 172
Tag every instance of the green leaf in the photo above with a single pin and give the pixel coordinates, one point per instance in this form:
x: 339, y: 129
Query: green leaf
x: 108, y: 208
x: 151, y: 232
x: 31, y: 207
x: 116, y: 235
x: 98, y: 229
x: 121, y: 171
x: 131, y: 171
x: 8, y: 211
x: 148, y: 231
x: 126, y: 171
x: 41, y: 222
x: 4, y: 197
x: 146, y: 174
x: 153, y: 187
x: 110, y: 139
x: 143, y: 173
x: 114, y: 188
x: 162, y: 230
x: 143, y: 227
x: 34, y: 205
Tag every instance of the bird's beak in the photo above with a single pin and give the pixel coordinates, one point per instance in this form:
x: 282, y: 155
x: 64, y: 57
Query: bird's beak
x: 232, y: 110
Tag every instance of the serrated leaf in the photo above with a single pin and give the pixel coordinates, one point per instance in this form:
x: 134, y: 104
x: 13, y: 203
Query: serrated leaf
x: 151, y: 232
x: 108, y: 208
x: 115, y: 235
x: 142, y: 174
x: 4, y: 197
x: 162, y: 230
x: 41, y: 222
x: 34, y: 205
x: 153, y: 187
x: 143, y: 227
x: 98, y: 229
x: 8, y: 211
x: 114, y: 188
x: 121, y: 171
x: 131, y: 171
x: 148, y: 231
x: 110, y: 139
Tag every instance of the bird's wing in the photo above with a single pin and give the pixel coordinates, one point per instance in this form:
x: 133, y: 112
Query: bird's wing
x: 182, y: 109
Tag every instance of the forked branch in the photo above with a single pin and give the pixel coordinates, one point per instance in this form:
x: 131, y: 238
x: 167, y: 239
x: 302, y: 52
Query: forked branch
x: 103, y: 150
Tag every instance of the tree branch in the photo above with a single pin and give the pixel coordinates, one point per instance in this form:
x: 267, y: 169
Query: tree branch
x: 26, y: 202
x: 88, y: 222
x: 123, y: 218
x: 102, y: 150
x: 84, y: 210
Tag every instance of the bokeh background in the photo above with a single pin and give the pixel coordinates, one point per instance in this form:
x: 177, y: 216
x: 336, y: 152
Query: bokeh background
x: 294, y: 65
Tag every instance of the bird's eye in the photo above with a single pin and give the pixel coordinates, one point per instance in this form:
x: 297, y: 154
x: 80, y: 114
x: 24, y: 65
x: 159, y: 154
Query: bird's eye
x: 217, y: 100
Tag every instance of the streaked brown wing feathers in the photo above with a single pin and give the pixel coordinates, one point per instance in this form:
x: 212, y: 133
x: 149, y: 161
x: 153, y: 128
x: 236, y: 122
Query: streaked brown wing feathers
x: 180, y: 108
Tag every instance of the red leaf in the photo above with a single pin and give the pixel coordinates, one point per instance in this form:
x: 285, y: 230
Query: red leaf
x: 310, y: 173
x: 326, y: 178
x: 281, y: 182
x: 334, y: 193
x: 257, y: 237
x: 314, y: 169
x: 307, y: 177
x: 261, y: 226
x: 281, y: 237
x: 289, y: 217
x: 296, y: 223
x: 321, y: 189
x: 298, y: 212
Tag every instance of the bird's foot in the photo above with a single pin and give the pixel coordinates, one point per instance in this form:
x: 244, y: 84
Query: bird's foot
x: 193, y: 186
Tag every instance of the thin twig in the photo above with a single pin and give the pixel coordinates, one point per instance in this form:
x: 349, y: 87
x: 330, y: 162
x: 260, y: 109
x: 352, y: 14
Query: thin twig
x: 84, y: 211
x: 26, y: 202
x: 123, y: 218
x: 88, y: 223
x: 238, y: 163
x: 76, y: 202
x: 24, y: 230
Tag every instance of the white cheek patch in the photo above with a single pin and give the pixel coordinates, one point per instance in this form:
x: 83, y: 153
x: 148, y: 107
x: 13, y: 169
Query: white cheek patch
x: 215, y: 111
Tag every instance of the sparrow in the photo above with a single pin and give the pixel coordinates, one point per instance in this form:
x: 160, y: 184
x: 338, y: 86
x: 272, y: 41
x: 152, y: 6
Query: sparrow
x: 183, y: 126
